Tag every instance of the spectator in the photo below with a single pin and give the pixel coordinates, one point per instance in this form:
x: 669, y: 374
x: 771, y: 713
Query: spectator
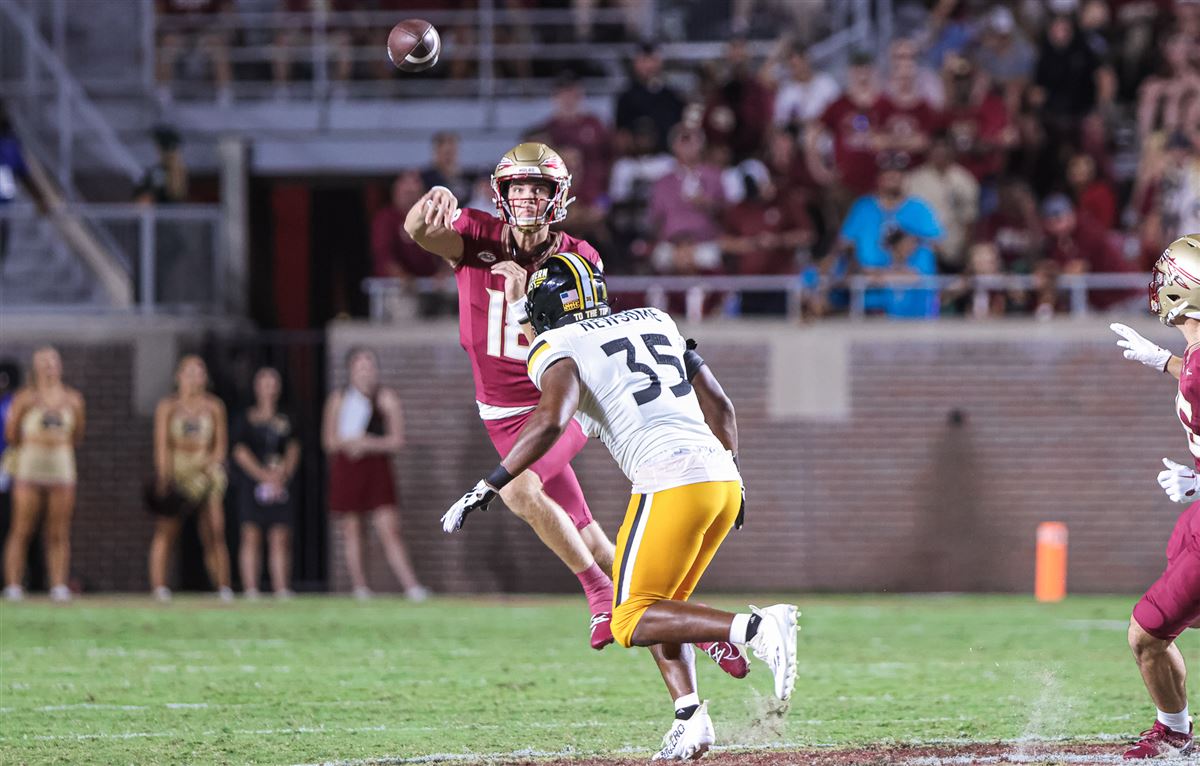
x: 1014, y: 227
x: 1005, y: 55
x: 687, y: 202
x: 1067, y: 73
x: 44, y: 425
x: 570, y: 125
x: 588, y: 217
x: 804, y: 94
x: 737, y: 110
x: 853, y: 123
x: 1075, y: 248
x: 890, y: 236
x: 267, y: 450
x: 444, y: 170
x: 1164, y: 98
x: 1094, y: 197
x: 12, y: 172
x: 906, y: 119
x: 362, y: 427
x: 767, y: 232
x: 976, y: 121
x: 166, y: 181
x: 947, y: 31
x: 1166, y: 196
x: 953, y: 193
x: 908, y: 81
x: 395, y: 254
x: 190, y: 23
x: 646, y: 97
x: 190, y: 446
x: 983, y: 260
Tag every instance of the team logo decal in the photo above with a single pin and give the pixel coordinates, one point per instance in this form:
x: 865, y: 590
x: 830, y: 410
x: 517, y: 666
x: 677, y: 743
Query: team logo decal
x: 570, y: 300
x: 487, y: 256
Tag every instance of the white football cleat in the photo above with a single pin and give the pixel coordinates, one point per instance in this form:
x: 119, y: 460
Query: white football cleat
x: 688, y: 740
x: 775, y: 644
x: 14, y: 593
x: 162, y: 594
x: 60, y: 594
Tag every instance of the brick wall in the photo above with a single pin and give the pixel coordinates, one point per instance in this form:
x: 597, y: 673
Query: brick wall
x: 884, y: 493
x: 899, y: 493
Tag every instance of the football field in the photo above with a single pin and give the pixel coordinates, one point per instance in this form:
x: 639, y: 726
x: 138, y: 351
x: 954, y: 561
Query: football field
x: 882, y: 679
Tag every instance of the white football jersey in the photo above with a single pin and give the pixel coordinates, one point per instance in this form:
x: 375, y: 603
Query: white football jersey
x: 636, y: 396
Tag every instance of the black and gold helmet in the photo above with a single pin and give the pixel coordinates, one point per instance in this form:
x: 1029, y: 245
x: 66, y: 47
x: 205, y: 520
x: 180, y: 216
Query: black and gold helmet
x: 566, y: 289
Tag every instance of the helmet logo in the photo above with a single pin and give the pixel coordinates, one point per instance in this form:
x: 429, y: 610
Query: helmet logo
x: 487, y: 256
x: 570, y: 300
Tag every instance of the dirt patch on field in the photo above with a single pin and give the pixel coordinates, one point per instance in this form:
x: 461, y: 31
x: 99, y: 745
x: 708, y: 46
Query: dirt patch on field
x: 900, y: 755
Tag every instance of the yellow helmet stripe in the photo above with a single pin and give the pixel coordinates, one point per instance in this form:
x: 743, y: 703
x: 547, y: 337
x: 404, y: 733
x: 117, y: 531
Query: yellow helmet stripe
x: 579, y: 267
x: 578, y: 277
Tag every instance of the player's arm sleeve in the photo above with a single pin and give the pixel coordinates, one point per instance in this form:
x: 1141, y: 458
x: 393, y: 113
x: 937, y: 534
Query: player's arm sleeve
x: 542, y: 354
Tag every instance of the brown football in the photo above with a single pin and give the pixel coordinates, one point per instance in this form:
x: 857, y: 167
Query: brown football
x: 414, y: 45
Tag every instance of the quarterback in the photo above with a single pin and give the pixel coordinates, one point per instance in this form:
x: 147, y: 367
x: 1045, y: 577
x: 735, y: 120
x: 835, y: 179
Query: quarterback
x: 531, y: 189
x: 1172, y: 603
x: 629, y: 379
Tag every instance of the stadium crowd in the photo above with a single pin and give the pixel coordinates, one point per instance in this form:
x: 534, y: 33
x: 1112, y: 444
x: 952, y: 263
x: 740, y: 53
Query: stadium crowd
x: 1056, y: 138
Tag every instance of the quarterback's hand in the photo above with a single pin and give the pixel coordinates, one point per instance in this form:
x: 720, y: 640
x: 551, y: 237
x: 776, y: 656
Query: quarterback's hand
x: 1179, y: 482
x: 1139, y: 349
x: 441, y: 208
x: 475, y: 500
x: 514, y: 280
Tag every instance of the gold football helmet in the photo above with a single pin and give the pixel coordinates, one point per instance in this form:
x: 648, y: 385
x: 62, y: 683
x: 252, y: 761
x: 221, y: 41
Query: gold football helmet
x: 1175, y: 281
x: 532, y: 161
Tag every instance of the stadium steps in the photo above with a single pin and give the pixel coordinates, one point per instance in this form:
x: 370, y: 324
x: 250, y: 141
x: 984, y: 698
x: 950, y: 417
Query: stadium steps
x: 40, y: 271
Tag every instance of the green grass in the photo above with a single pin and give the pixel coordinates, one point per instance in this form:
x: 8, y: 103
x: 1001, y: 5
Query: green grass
x: 127, y: 681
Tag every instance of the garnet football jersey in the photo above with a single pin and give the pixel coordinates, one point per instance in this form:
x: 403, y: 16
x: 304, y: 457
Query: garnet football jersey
x: 1187, y: 401
x: 497, y: 348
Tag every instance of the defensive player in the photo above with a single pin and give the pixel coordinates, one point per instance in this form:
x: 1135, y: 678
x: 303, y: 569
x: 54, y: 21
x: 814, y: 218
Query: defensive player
x: 625, y: 378
x: 531, y: 187
x: 1172, y: 603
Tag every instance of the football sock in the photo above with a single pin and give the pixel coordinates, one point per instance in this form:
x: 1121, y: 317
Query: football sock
x: 597, y: 587
x: 1176, y: 721
x: 744, y: 627
x: 686, y: 705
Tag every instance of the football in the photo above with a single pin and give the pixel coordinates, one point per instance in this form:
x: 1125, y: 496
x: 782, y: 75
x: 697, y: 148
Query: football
x: 414, y: 45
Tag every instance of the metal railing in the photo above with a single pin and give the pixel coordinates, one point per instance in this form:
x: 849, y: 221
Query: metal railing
x: 171, y: 252
x: 496, y: 47
x: 56, y: 113
x: 697, y: 291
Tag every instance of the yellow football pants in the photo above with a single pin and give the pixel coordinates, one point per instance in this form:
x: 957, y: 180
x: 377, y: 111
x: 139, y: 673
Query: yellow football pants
x: 666, y: 542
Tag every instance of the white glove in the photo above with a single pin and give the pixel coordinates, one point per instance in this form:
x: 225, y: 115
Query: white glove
x: 475, y: 500
x: 1179, y: 482
x: 1139, y: 349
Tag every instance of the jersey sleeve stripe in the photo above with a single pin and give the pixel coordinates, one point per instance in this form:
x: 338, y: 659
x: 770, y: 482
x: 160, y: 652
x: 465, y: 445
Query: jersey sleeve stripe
x: 538, y: 348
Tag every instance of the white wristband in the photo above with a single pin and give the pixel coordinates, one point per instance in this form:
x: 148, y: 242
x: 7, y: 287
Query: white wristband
x: 518, y: 313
